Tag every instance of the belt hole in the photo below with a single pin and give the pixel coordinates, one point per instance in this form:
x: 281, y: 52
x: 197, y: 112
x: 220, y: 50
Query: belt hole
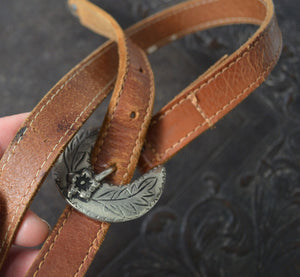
x: 141, y: 70
x: 133, y: 114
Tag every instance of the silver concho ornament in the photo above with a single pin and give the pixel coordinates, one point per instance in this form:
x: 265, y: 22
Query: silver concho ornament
x: 89, y: 194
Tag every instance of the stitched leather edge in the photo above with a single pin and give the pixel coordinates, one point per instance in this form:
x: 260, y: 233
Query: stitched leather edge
x: 148, y: 114
x: 53, y: 242
x: 158, y: 158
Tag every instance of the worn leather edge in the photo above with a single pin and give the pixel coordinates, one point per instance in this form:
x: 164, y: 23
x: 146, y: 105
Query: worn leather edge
x: 162, y: 143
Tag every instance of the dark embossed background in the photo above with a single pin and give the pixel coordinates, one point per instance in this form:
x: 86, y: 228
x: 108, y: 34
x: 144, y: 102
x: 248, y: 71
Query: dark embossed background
x: 232, y: 202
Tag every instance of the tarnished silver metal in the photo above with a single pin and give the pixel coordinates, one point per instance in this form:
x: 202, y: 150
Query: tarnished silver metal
x: 89, y: 194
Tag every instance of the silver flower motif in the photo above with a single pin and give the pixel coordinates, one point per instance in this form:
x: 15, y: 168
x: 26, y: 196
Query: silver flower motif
x: 82, y: 184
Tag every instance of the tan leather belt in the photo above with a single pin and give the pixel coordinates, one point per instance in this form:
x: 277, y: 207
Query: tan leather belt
x: 121, y: 64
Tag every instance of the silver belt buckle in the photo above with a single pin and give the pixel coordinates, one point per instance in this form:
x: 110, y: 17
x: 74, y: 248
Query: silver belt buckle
x: 88, y: 193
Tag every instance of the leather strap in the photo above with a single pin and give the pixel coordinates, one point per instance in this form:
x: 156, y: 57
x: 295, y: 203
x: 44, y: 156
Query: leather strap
x: 119, y: 144
x: 224, y: 85
x: 54, y: 121
x: 202, y: 104
x: 130, y: 109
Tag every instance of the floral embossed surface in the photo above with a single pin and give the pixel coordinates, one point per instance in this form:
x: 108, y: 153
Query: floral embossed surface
x: 232, y: 201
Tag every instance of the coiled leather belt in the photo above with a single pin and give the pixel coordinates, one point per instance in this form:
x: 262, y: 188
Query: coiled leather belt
x: 129, y: 135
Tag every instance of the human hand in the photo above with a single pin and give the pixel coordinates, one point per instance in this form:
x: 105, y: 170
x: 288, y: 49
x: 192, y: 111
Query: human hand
x: 33, y: 230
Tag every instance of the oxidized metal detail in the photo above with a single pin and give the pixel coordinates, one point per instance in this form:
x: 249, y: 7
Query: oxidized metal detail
x: 88, y: 193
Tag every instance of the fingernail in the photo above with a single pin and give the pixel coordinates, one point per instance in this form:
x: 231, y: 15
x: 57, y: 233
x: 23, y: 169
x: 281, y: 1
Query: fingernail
x: 49, y: 227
